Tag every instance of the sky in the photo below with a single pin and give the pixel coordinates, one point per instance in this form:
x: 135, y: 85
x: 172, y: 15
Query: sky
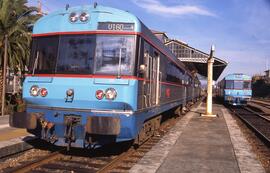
x: 239, y: 29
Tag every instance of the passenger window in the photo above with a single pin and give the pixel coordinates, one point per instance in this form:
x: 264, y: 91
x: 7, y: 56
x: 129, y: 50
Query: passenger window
x: 146, y: 59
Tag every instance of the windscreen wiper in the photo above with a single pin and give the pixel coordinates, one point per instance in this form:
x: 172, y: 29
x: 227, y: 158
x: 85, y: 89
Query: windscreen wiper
x: 119, y: 64
x: 35, y: 63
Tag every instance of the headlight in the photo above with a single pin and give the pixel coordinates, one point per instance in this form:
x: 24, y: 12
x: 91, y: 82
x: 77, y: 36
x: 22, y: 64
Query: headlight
x: 34, y: 90
x: 84, y: 17
x: 110, y: 94
x: 73, y: 17
x: 43, y: 92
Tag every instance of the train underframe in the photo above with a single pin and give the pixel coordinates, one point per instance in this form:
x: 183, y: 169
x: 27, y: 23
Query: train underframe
x: 237, y: 101
x: 91, y: 129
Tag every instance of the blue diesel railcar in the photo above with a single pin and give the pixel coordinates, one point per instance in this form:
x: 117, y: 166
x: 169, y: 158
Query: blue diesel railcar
x: 235, y: 89
x: 98, y: 75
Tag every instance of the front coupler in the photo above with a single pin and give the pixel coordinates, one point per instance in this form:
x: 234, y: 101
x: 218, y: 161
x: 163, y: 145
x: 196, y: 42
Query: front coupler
x: 70, y: 122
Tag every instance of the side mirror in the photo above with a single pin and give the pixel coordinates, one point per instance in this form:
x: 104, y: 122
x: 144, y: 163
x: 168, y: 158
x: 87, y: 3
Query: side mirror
x: 142, y: 68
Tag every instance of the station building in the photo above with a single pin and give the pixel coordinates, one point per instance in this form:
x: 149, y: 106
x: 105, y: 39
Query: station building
x: 265, y: 77
x: 194, y: 59
x: 267, y: 74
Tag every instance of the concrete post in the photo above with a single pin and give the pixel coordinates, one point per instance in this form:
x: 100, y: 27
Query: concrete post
x: 210, y: 62
x: 4, y: 76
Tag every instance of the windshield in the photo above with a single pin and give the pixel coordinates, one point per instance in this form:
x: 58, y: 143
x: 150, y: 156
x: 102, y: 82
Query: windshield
x: 238, y: 84
x: 229, y: 84
x: 76, y: 54
x: 83, y: 54
x: 44, y: 54
x: 114, y: 55
x: 247, y: 85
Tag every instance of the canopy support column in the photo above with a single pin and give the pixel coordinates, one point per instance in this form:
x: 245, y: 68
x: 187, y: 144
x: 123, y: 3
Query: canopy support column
x: 210, y: 62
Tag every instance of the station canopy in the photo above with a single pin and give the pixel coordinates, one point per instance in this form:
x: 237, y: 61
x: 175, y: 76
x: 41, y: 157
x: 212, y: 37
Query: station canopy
x: 193, y: 58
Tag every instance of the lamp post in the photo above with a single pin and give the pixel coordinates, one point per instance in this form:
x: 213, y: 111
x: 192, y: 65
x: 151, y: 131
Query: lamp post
x: 210, y: 62
x: 4, y: 76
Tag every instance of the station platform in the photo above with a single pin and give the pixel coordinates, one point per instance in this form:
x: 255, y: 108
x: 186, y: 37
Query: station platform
x: 12, y: 140
x: 202, y: 144
x: 7, y: 133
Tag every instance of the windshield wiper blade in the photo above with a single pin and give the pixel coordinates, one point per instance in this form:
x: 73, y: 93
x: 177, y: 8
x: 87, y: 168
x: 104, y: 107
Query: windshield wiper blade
x: 35, y: 63
x: 119, y: 65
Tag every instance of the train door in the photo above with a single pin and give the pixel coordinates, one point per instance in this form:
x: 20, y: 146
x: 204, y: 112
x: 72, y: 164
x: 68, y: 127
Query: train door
x: 146, y: 76
x: 152, y: 78
x: 185, y: 91
x: 154, y: 71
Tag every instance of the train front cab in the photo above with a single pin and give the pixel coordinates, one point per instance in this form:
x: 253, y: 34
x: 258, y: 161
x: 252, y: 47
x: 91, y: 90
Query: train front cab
x: 237, y: 92
x: 73, y: 106
x: 61, y: 117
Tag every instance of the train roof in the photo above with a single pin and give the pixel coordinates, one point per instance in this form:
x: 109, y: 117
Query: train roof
x: 58, y: 22
x: 237, y: 76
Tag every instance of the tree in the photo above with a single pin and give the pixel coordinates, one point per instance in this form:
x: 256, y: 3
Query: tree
x: 261, y: 89
x: 15, y: 20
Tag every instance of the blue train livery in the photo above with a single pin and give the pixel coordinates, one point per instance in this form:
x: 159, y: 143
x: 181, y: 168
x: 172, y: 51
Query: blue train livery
x: 235, y: 89
x: 98, y: 75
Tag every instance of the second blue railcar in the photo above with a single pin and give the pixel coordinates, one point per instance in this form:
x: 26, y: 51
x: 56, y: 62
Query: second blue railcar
x: 235, y: 89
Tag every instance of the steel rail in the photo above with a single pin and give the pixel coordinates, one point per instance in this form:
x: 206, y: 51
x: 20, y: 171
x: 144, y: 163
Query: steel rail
x: 116, y: 160
x: 260, y: 102
x: 263, y: 106
x: 258, y: 114
x: 37, y: 163
x: 258, y: 133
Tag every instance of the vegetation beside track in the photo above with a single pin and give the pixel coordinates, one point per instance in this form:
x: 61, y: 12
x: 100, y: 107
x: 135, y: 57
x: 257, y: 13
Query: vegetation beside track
x: 16, y: 20
x: 261, y: 89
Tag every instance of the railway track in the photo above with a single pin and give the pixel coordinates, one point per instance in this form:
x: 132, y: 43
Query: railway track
x: 261, y: 102
x: 113, y: 158
x: 99, y: 160
x: 258, y: 123
x: 77, y: 160
x: 262, y: 106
